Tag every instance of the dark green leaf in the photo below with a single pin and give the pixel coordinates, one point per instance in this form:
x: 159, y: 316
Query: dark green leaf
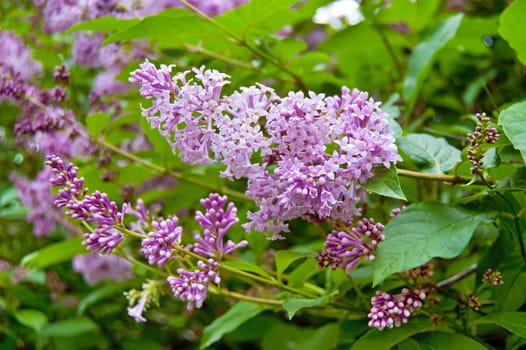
x: 32, y: 318
x: 387, y: 338
x: 512, y: 28
x: 233, y: 318
x: 513, y: 121
x: 421, y: 232
x: 286, y: 257
x: 431, y: 154
x: 54, y: 254
x: 101, y: 293
x: 70, y: 327
x: 385, y: 183
x: 423, y: 56
x: 450, y: 341
x: 292, y: 305
x: 515, y: 322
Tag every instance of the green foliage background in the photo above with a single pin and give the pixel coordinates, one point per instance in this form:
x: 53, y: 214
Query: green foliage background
x: 433, y: 63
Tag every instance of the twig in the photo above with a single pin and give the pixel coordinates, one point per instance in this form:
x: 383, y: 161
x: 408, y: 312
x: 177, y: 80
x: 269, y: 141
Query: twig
x: 458, y: 277
x: 455, y: 179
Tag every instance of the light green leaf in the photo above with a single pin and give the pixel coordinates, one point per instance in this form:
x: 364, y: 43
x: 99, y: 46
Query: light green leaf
x: 303, y: 272
x: 450, y: 341
x: 103, y: 292
x: 513, y: 121
x: 292, y: 305
x: 387, y: 338
x: 423, y: 56
x: 106, y: 24
x: 96, y: 122
x: 246, y: 266
x: 32, y: 318
x: 430, y: 154
x: 233, y: 318
x: 421, y: 232
x: 385, y: 183
x: 70, y: 327
x: 286, y: 257
x: 515, y: 322
x: 512, y: 28
x: 54, y: 254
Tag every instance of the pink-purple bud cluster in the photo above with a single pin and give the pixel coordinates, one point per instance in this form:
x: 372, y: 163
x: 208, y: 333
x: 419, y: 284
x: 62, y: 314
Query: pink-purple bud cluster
x: 394, y: 310
x: 95, y: 208
x: 303, y: 156
x: 346, y: 249
x: 192, y: 286
x: 158, y: 246
x: 216, y: 221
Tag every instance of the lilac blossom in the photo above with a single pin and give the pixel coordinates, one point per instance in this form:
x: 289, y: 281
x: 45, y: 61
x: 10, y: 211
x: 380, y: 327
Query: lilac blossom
x: 216, y: 221
x: 158, y: 246
x: 346, y: 249
x: 192, y: 286
x: 95, y: 208
x: 36, y: 196
x: 303, y: 155
x: 394, y: 310
x: 15, y: 54
x: 96, y: 268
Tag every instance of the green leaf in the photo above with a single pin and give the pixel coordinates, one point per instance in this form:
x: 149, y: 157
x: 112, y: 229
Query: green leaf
x: 430, y: 154
x: 103, y: 292
x: 54, y: 254
x: 512, y: 28
x: 32, y: 318
x: 286, y: 257
x: 513, y: 121
x: 450, y: 341
x: 106, y: 24
x: 292, y: 305
x: 421, y: 232
x: 515, y: 322
x: 233, y: 318
x: 387, y: 338
x: 303, y: 272
x: 96, y: 122
x: 290, y: 337
x: 246, y: 266
x: 385, y: 183
x: 70, y: 328
x: 423, y: 56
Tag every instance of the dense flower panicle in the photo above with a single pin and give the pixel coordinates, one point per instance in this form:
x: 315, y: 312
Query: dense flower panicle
x: 345, y: 249
x: 158, y: 246
x: 193, y: 286
x: 96, y: 268
x: 95, y: 208
x: 394, y: 310
x: 15, y: 55
x: 303, y: 155
x: 37, y: 197
x: 482, y: 134
x: 216, y: 221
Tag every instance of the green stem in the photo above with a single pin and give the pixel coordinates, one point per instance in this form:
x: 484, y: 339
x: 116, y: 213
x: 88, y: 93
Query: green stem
x: 455, y: 179
x: 202, y: 50
x: 164, y: 171
x: 221, y: 291
x: 242, y: 42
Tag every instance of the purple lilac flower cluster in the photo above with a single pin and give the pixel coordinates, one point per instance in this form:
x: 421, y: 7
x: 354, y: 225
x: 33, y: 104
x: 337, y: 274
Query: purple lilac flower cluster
x: 95, y: 208
x: 96, y: 268
x: 60, y: 15
x: 161, y: 244
x: 303, y: 156
x: 345, y: 249
x: 394, y: 310
x: 192, y: 286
